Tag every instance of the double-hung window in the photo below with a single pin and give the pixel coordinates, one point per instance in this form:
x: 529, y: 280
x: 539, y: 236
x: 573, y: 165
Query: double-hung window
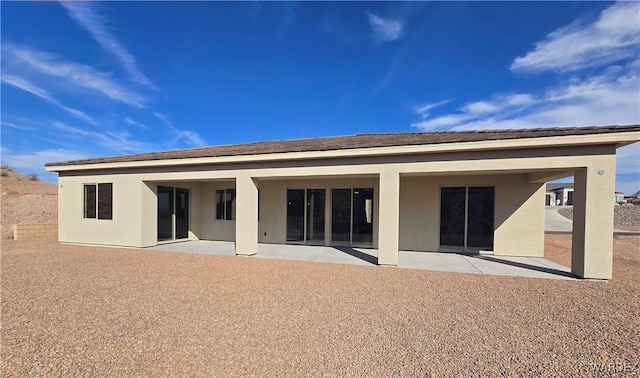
x: 98, y: 201
x: 225, y: 204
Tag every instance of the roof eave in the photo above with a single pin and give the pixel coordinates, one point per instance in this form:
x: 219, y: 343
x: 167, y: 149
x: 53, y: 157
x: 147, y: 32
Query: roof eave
x: 618, y: 139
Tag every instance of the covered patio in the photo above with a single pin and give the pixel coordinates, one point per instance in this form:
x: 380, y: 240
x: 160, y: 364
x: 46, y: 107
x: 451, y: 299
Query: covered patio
x: 535, y: 267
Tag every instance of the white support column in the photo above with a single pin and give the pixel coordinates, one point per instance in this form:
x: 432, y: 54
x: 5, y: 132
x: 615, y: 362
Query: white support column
x: 592, y: 243
x: 389, y: 219
x: 246, y: 216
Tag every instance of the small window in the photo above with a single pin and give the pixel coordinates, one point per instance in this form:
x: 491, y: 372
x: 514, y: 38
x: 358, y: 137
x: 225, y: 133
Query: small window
x: 225, y: 204
x: 98, y: 201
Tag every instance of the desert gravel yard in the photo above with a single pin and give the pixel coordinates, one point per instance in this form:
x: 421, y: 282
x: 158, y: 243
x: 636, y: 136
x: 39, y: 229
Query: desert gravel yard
x: 77, y: 310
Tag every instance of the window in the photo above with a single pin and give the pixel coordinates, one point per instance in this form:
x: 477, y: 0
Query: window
x: 225, y: 204
x: 98, y: 201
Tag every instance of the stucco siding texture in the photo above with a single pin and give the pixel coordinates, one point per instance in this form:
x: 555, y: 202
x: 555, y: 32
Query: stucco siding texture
x: 518, y: 220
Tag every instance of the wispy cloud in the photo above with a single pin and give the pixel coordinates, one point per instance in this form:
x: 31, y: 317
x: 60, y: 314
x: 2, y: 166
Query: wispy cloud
x: 25, y: 59
x: 163, y: 118
x: 88, y: 17
x: 135, y: 123
x: 424, y: 109
x: 17, y: 127
x: 189, y: 136
x: 35, y: 161
x: 384, y: 30
x: 119, y: 142
x: 604, y: 99
x: 614, y: 36
x: 25, y: 85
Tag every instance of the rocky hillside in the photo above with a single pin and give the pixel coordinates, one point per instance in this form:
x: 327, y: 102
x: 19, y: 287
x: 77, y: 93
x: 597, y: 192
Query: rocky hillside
x: 625, y: 217
x: 26, y: 200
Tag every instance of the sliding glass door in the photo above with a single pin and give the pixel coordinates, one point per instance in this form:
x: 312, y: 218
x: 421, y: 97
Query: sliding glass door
x: 466, y: 217
x: 305, y: 215
x: 173, y: 213
x: 352, y: 216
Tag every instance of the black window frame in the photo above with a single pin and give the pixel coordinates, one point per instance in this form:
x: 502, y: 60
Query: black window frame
x: 225, y: 202
x: 97, y: 201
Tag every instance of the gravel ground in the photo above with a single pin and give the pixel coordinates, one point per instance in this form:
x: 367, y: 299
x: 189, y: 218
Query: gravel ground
x: 625, y: 217
x: 77, y: 310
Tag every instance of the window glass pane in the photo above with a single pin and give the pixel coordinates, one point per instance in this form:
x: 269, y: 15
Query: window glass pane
x: 230, y: 203
x: 165, y: 213
x: 362, y: 215
x: 182, y: 213
x: 480, y: 217
x: 341, y: 215
x: 295, y: 215
x: 315, y: 214
x: 89, y: 201
x: 105, y: 201
x: 452, y: 216
x: 219, y: 204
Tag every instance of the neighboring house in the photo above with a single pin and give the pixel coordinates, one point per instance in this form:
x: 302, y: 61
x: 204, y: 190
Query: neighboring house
x: 632, y: 197
x: 550, y: 198
x: 561, y: 194
x: 463, y: 191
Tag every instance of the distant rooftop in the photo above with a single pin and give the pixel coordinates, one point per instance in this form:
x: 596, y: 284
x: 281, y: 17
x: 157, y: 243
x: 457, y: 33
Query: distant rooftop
x: 355, y: 141
x: 554, y: 186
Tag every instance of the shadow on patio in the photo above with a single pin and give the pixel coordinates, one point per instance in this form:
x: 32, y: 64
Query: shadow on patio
x: 447, y: 262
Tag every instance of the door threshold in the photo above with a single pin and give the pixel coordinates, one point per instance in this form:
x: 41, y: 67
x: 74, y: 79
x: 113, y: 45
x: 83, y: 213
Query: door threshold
x: 464, y: 252
x: 172, y: 241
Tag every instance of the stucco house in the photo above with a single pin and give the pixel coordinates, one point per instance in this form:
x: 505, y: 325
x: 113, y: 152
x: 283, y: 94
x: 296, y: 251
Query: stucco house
x: 435, y: 191
x: 560, y: 194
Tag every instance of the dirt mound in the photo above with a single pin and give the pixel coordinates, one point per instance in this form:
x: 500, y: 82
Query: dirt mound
x: 26, y: 200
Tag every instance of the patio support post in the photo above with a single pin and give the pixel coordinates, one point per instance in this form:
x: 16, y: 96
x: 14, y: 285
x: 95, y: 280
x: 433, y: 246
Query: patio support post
x: 246, y: 215
x: 388, y: 221
x: 592, y: 243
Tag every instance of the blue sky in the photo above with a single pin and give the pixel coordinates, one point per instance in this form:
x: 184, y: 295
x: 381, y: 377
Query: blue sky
x: 100, y: 79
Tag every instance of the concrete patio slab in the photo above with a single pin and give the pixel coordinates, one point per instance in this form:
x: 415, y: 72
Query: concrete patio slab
x: 516, y: 266
x: 445, y: 262
x: 339, y: 255
x: 437, y: 261
x: 205, y: 247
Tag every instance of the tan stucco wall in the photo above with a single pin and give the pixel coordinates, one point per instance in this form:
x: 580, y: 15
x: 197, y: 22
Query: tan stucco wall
x: 519, y: 212
x: 210, y: 227
x: 517, y: 175
x: 592, y: 240
x: 125, y: 229
x: 134, y: 220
